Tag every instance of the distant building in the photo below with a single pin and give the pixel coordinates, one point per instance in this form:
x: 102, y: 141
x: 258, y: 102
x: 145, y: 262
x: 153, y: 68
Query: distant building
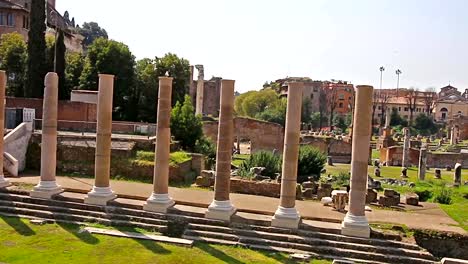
x: 211, y: 96
x: 311, y: 90
x: 450, y: 104
x: 342, y: 91
x: 15, y: 17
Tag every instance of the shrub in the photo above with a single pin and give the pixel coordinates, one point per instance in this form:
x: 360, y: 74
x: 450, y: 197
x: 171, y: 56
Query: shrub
x: 206, y: 147
x: 343, y: 178
x: 271, y: 162
x: 424, y: 195
x: 186, y: 127
x: 443, y: 196
x: 311, y: 163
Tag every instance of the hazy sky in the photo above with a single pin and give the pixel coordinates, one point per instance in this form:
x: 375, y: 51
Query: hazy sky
x: 262, y: 40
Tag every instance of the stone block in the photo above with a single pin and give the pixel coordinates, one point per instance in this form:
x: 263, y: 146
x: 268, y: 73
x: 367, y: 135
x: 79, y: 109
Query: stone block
x: 371, y: 196
x: 307, y: 193
x: 389, y: 201
x: 204, y: 181
x: 412, y: 199
x: 389, y: 192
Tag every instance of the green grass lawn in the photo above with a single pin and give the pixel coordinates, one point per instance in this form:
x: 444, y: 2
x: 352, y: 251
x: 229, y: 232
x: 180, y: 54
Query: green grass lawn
x: 21, y: 242
x: 458, y: 209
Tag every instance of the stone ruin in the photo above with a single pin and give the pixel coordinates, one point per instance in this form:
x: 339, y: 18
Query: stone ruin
x: 390, y: 198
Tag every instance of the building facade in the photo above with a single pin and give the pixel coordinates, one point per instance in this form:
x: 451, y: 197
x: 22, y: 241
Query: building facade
x: 450, y: 104
x: 14, y: 17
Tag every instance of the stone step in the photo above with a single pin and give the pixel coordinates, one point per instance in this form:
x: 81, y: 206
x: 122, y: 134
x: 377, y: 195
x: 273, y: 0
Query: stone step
x: 308, y: 234
x: 234, y: 234
x: 319, y: 247
x: 103, y: 215
x: 79, y: 218
x: 105, y: 209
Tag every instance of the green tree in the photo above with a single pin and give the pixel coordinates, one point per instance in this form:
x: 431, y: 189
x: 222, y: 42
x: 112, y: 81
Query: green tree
x: 13, y: 56
x: 73, y: 69
x: 315, y: 120
x: 50, y: 53
x: 239, y: 101
x: 396, y: 119
x: 259, y: 101
x: 91, y: 31
x: 147, y: 87
x: 60, y: 63
x: 275, y: 113
x: 36, y: 68
x: 339, y: 122
x: 186, y: 127
x: 179, y: 69
x: 306, y: 110
x: 425, y: 125
x: 112, y: 57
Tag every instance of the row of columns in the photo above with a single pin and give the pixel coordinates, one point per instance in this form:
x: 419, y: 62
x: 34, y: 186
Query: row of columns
x: 355, y: 222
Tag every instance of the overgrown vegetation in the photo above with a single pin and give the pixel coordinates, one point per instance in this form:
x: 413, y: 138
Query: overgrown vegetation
x: 271, y: 162
x: 186, y: 127
x: 311, y: 163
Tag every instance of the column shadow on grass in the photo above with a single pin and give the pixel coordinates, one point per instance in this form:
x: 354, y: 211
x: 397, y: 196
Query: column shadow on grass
x: 16, y: 223
x: 151, y: 245
x: 217, y: 253
x: 75, y: 230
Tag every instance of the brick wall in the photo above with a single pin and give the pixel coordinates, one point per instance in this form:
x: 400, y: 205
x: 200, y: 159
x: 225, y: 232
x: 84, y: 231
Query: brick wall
x: 262, y: 135
x: 71, y: 111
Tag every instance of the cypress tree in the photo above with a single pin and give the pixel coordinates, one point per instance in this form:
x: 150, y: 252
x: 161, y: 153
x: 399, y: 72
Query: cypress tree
x: 36, y: 65
x: 63, y: 93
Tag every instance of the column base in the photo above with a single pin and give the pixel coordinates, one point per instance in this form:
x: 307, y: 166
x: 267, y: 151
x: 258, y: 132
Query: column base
x: 158, y: 203
x: 46, y: 189
x: 100, y: 196
x: 3, y: 182
x: 356, y: 226
x: 286, y: 218
x: 220, y: 210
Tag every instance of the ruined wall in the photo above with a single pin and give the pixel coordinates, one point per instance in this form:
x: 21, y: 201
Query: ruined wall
x: 263, y: 135
x: 270, y: 189
x: 393, y: 156
x: 67, y: 110
x: 339, y: 150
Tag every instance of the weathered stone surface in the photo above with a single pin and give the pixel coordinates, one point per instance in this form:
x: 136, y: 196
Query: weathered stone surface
x: 389, y: 192
x: 389, y: 201
x: 257, y: 170
x: 340, y: 198
x: 457, y: 177
x: 404, y: 172
x: 324, y: 190
x: 270, y: 189
x: 438, y: 174
x: 371, y: 196
x: 298, y: 192
x: 307, y: 193
x: 377, y: 172
x: 204, y: 181
x: 412, y: 199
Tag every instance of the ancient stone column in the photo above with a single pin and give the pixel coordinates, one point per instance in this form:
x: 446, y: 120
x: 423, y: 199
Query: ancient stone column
x: 159, y: 201
x: 286, y: 215
x: 355, y: 222
x: 422, y: 163
x: 457, y: 177
x: 388, y: 117
x: 221, y: 207
x: 406, y: 148
x: 452, y: 136
x: 102, y: 192
x: 200, y: 90
x: 192, y: 88
x: 47, y: 186
x: 3, y: 183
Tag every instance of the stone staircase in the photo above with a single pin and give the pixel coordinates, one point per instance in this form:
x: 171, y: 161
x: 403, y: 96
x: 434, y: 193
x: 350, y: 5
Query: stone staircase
x: 315, y: 241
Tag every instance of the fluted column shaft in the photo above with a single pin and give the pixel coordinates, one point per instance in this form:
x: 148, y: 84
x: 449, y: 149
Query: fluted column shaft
x: 355, y: 222
x: 163, y: 137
